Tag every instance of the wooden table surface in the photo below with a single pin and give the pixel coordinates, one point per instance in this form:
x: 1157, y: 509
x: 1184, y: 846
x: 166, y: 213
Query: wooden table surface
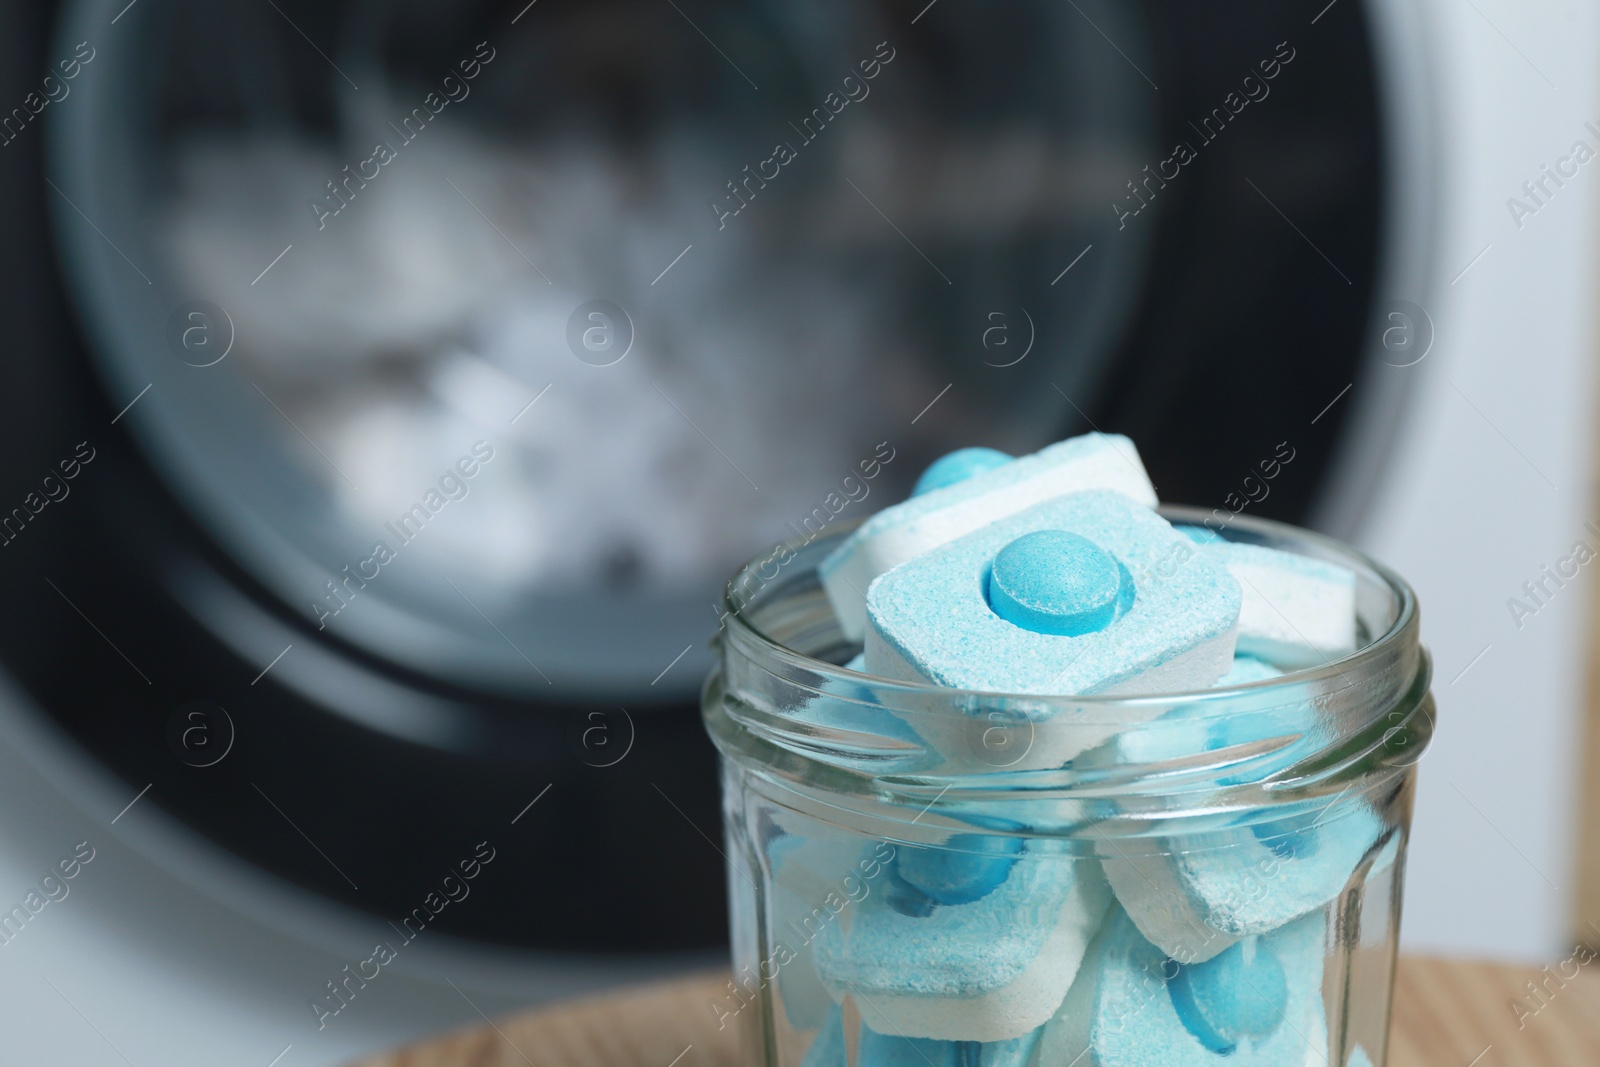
x: 1446, y: 1014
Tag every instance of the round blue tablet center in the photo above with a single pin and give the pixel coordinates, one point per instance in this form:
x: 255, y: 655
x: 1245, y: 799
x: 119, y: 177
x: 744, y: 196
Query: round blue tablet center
x: 1055, y: 582
x: 1239, y: 994
x: 958, y: 466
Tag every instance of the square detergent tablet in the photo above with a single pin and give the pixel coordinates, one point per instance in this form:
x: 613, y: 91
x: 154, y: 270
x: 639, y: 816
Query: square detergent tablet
x: 1259, y: 1005
x: 1297, y: 611
x: 1196, y: 897
x: 990, y: 970
x: 959, y: 495
x: 1076, y: 595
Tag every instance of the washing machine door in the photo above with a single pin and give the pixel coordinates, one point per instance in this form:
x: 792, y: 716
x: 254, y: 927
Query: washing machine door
x: 392, y: 385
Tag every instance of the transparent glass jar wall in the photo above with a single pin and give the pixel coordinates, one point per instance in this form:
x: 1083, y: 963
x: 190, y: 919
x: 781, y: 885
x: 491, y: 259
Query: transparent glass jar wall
x: 931, y: 875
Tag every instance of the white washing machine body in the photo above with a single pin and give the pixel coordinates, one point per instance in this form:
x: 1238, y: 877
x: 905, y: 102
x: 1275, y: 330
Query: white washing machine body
x: 1490, y: 469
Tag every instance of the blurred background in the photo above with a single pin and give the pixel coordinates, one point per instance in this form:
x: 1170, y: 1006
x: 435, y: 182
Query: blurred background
x: 390, y: 385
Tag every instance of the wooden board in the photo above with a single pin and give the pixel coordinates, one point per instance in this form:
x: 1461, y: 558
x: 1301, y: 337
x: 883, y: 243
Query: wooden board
x: 1447, y: 1014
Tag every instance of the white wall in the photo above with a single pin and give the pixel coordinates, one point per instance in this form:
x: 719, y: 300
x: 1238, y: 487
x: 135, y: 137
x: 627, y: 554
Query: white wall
x: 1492, y: 480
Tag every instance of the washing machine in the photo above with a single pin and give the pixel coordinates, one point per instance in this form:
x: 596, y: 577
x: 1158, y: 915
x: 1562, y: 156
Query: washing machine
x: 391, y: 386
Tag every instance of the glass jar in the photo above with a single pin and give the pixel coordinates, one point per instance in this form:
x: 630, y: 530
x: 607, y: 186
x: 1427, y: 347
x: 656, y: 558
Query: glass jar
x: 930, y: 875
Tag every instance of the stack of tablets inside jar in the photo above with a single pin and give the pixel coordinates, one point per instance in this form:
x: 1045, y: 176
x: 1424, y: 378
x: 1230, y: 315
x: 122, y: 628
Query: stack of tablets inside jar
x: 1053, y: 574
